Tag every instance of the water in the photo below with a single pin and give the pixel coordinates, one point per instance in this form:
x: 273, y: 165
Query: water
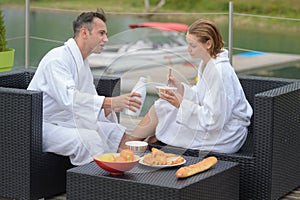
x: 57, y: 28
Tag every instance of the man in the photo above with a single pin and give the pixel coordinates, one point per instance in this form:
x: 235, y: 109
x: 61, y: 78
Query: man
x: 76, y: 121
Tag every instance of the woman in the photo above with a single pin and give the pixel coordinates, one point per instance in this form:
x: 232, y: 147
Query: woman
x: 214, y: 114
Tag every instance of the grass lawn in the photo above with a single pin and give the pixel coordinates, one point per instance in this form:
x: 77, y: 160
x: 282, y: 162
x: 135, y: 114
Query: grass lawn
x: 279, y: 8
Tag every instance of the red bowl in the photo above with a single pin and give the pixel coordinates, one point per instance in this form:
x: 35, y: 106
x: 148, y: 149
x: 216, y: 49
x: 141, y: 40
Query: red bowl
x: 116, y: 168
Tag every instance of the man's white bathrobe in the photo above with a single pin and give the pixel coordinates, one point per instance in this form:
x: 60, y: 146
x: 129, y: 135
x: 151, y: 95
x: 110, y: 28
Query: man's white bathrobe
x: 213, y: 115
x: 74, y: 124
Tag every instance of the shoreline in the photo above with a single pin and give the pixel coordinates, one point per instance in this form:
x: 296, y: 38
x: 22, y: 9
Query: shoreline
x: 240, y: 19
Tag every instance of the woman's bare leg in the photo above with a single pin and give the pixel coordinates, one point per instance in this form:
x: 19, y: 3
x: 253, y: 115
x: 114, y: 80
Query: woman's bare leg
x: 145, y: 128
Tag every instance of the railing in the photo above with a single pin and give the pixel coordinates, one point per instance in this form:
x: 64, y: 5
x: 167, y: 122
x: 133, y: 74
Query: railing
x: 232, y: 18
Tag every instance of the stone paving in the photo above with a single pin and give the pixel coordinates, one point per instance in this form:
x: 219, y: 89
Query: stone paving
x: 252, y: 61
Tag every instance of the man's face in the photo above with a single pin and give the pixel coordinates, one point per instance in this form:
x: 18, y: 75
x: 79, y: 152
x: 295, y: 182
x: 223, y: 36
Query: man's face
x: 98, y: 36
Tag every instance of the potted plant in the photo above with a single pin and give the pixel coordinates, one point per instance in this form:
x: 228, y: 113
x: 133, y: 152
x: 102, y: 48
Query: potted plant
x: 6, y: 54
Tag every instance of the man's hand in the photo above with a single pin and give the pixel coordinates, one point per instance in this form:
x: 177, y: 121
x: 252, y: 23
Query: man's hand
x: 118, y: 103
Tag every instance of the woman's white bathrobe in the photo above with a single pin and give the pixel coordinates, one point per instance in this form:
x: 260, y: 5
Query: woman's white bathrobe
x: 213, y: 115
x: 74, y: 124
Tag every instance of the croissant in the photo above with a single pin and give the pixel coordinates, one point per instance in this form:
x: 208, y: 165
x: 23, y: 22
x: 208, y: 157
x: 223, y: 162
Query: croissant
x: 158, y: 157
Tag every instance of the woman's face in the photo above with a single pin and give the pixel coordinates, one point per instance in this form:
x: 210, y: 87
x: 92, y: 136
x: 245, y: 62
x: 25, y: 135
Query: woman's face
x: 195, y: 48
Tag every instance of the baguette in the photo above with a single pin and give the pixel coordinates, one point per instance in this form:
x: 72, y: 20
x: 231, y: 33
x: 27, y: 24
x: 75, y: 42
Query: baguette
x: 201, y: 166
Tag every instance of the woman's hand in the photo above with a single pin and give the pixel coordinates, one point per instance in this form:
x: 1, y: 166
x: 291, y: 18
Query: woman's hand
x: 173, y: 98
x: 175, y: 83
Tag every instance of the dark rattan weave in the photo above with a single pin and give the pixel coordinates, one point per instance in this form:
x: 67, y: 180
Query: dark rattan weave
x: 26, y: 172
x: 270, y: 158
x: 90, y: 182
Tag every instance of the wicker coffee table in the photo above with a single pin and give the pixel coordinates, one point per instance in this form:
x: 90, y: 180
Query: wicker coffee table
x: 91, y: 182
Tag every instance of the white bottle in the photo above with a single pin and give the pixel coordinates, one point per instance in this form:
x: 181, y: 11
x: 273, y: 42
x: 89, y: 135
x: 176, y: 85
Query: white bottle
x: 140, y: 87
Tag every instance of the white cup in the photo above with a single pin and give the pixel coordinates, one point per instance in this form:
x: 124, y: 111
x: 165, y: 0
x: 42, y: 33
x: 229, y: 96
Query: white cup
x: 137, y: 147
x: 162, y: 89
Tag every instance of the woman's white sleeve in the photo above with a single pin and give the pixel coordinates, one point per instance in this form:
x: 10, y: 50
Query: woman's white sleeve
x: 211, y: 113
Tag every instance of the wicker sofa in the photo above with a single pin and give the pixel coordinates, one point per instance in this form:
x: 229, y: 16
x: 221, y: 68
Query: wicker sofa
x: 270, y: 159
x: 26, y: 172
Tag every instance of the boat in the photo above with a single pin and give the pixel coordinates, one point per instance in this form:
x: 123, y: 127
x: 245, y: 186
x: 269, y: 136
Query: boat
x: 147, y: 44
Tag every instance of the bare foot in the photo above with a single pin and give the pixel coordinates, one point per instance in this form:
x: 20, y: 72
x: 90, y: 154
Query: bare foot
x: 152, y: 139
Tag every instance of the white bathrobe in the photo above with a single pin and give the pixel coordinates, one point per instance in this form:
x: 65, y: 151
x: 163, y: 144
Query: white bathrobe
x: 213, y: 115
x: 74, y: 124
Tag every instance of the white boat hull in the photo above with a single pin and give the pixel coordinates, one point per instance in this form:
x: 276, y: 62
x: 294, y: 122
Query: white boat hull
x: 140, y: 58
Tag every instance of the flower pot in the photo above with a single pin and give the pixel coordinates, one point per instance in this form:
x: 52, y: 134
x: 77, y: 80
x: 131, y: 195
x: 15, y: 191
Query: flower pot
x: 7, y: 60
